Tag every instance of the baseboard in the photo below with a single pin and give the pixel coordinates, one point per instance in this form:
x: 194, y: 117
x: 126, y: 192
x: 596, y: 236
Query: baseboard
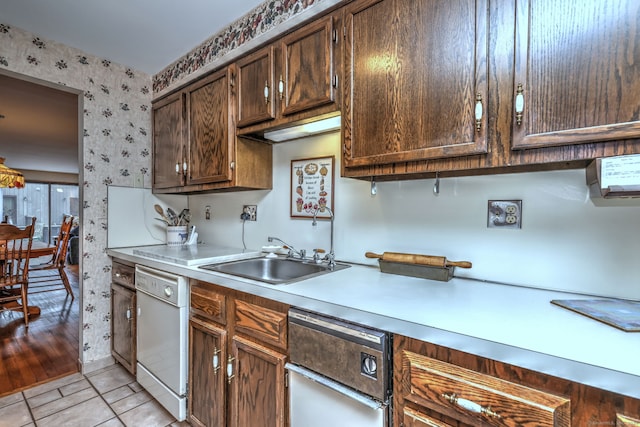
x: 94, y: 365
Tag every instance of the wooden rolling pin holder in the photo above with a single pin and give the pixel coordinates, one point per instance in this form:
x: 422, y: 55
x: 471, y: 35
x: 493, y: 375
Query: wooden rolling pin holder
x: 443, y: 274
x: 417, y: 265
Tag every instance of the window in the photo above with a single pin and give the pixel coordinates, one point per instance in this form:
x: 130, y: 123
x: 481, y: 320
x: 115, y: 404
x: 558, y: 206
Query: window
x: 47, y: 202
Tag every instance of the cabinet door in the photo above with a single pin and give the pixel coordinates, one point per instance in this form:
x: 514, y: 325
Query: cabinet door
x: 168, y: 142
x: 256, y: 87
x: 577, y: 72
x: 211, y: 132
x: 207, y: 369
x: 307, y: 78
x: 258, y: 392
x: 415, y: 75
x: 123, y: 326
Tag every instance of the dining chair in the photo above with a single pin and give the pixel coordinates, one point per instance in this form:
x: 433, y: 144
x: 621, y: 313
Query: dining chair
x: 51, y: 275
x: 15, y: 250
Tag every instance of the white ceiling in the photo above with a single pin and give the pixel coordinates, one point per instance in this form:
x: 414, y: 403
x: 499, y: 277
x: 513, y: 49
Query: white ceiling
x: 146, y: 35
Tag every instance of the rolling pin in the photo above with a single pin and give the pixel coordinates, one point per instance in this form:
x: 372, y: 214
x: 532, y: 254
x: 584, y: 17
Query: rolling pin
x: 436, y: 261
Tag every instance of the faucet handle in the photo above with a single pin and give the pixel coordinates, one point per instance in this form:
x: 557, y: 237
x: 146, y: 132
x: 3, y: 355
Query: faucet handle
x: 316, y: 255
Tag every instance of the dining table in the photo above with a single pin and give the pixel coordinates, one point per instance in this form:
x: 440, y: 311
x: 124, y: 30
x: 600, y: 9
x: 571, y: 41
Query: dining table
x: 38, y: 249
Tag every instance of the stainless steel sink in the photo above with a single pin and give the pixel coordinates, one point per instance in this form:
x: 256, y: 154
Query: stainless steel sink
x: 273, y: 270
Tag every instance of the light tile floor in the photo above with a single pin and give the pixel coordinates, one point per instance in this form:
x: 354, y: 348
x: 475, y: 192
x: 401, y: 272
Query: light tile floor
x: 110, y: 397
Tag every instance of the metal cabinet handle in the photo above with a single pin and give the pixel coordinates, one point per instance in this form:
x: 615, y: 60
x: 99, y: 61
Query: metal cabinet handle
x: 128, y: 314
x: 266, y: 92
x: 230, y: 374
x: 519, y: 104
x: 216, y: 360
x: 479, y: 112
x: 281, y: 87
x: 177, y: 168
x: 470, y: 405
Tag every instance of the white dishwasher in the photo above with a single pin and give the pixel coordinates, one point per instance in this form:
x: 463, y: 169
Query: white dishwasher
x: 162, y: 335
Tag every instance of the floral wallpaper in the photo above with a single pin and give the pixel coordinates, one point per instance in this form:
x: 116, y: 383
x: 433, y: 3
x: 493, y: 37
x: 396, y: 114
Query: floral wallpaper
x: 263, y: 18
x: 116, y: 146
x: 117, y: 131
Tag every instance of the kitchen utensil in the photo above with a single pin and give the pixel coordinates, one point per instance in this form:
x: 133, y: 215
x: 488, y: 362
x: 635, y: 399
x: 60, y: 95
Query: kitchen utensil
x: 185, y: 217
x: 173, y: 216
x: 436, y: 261
x: 160, y: 212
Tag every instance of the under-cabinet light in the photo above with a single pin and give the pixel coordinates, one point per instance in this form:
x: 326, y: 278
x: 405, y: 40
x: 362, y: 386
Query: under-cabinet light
x: 320, y: 126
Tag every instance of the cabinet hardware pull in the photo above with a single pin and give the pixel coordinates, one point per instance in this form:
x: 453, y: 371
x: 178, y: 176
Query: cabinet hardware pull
x: 232, y: 80
x: 470, y: 405
x: 216, y: 360
x: 118, y: 275
x: 519, y: 104
x: 128, y: 314
x: 334, y: 35
x: 232, y: 165
x: 184, y: 167
x: 266, y: 92
x: 184, y: 106
x: 479, y: 112
x: 335, y: 81
x: 177, y: 168
x: 281, y: 87
x: 230, y: 374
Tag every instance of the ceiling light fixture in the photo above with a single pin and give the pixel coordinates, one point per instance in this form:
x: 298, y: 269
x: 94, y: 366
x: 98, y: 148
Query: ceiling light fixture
x: 10, y: 178
x: 295, y: 132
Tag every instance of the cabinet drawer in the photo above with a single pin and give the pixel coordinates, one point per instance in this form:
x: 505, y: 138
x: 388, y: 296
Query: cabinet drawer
x: 123, y: 274
x: 208, y: 303
x: 473, y: 397
x: 413, y: 418
x: 262, y: 323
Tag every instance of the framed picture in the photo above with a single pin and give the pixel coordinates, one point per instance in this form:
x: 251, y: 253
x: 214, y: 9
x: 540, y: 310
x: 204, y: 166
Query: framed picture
x: 312, y: 187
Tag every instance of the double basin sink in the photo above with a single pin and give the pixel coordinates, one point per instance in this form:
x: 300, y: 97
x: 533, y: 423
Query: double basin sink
x: 275, y: 271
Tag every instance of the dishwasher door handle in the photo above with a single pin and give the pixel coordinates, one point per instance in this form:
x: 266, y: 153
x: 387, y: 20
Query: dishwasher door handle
x: 336, y: 386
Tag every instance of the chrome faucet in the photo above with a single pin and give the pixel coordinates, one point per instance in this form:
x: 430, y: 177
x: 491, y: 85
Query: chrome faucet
x: 293, y: 253
x: 331, y: 256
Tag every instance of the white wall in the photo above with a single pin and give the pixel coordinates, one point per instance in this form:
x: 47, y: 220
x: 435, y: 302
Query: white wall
x: 566, y: 242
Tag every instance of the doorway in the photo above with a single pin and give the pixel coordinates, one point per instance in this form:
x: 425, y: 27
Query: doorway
x: 40, y: 135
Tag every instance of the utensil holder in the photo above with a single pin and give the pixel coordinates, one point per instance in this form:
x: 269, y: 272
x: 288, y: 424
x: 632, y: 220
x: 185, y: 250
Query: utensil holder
x: 177, y: 235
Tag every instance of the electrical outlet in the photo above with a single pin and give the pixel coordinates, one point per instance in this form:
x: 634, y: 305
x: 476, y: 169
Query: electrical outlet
x: 251, y: 211
x: 504, y: 214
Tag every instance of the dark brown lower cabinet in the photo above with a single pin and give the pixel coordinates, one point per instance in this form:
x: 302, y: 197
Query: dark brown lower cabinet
x: 437, y: 386
x: 237, y: 353
x: 123, y: 316
x: 207, y: 371
x: 258, y: 392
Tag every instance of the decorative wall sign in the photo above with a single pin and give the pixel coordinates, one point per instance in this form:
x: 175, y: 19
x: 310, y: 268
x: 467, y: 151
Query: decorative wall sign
x: 312, y: 187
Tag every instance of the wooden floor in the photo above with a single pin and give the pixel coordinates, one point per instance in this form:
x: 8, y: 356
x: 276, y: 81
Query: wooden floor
x: 49, y: 348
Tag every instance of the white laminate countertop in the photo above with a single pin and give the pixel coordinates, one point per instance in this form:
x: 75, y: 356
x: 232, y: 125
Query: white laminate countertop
x: 511, y: 324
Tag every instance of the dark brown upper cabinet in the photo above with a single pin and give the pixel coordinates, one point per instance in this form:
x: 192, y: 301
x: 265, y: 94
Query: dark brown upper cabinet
x: 294, y: 79
x: 308, y: 77
x: 169, y: 117
x: 415, y: 80
x: 256, y: 87
x: 195, y: 143
x: 577, y: 72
